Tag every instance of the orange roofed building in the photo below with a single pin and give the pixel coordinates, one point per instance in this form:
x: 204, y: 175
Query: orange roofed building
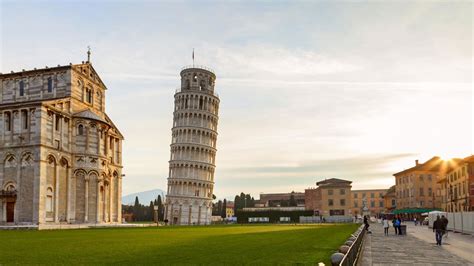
x: 417, y: 187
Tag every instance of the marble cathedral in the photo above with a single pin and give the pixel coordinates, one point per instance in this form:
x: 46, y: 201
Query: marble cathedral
x: 60, y: 154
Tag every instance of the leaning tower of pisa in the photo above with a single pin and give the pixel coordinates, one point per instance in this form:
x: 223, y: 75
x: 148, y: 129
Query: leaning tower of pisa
x: 193, y: 149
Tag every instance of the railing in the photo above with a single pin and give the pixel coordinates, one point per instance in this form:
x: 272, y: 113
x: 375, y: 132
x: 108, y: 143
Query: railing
x: 198, y: 66
x: 354, y: 252
x: 202, y: 91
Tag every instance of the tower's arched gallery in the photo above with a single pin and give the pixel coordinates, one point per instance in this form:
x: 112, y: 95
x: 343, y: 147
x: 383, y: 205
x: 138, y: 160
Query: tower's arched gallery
x: 193, y: 149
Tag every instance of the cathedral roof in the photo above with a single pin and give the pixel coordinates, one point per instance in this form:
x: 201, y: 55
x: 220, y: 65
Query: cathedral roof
x: 88, y: 114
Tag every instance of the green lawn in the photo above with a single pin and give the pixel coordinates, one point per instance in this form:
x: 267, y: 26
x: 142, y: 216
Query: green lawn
x: 236, y: 244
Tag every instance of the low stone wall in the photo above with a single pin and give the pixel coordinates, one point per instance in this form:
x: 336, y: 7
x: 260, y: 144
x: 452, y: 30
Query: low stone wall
x: 349, y: 252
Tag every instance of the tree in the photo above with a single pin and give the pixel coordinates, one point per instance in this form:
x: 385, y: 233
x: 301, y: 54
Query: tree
x: 161, y: 209
x: 224, y: 209
x: 292, y: 202
x: 236, y: 203
x: 136, y: 210
x: 151, y: 212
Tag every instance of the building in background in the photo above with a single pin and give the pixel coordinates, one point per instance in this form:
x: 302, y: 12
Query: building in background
x: 229, y: 210
x: 193, y: 149
x: 390, y: 200
x: 60, y: 154
x: 457, y: 186
x: 332, y: 197
x: 417, y: 188
x: 372, y: 198
x: 292, y: 199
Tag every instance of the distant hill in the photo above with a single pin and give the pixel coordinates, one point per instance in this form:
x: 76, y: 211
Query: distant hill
x: 144, y: 197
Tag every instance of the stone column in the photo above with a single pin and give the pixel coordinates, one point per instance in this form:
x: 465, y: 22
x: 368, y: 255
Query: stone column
x: 118, y: 197
x: 86, y: 207
x: 199, y: 216
x: 98, y: 201
x: 70, y: 196
x: 111, y: 199
x: 56, y: 192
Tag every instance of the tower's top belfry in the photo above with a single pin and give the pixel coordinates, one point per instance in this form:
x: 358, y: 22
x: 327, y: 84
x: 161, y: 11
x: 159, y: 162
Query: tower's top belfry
x: 198, y: 78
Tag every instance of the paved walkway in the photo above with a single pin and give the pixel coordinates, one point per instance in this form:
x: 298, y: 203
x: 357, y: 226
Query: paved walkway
x: 456, y: 243
x: 406, y: 250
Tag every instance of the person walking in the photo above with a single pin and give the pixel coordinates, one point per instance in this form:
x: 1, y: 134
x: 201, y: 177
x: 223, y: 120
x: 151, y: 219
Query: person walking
x: 394, y: 224
x: 438, y: 230
x: 399, y: 225
x: 385, y: 225
x: 445, y: 222
x: 366, y: 223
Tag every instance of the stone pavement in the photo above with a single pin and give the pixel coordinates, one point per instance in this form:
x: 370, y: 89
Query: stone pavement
x: 404, y: 250
x: 456, y: 243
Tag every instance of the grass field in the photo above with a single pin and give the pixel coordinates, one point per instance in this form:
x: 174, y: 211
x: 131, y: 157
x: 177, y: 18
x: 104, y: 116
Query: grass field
x: 250, y: 244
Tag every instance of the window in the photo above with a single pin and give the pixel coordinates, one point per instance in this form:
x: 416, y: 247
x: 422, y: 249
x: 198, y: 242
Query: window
x: 330, y: 192
x: 187, y: 84
x: 202, y: 85
x: 196, y: 193
x: 89, y: 95
x: 330, y: 202
x: 355, y: 195
x: 195, y: 77
x: 49, y: 200
x: 24, y: 118
x: 421, y: 178
x: 372, y: 204
x: 8, y: 121
x: 22, y: 88
x: 50, y: 84
x: 430, y: 191
x: 58, y: 121
x: 393, y: 202
x: 380, y: 194
x: 80, y: 130
x: 372, y: 195
x: 381, y: 204
x: 363, y: 195
x: 356, y: 205
x: 342, y: 202
x: 342, y: 191
x: 422, y: 191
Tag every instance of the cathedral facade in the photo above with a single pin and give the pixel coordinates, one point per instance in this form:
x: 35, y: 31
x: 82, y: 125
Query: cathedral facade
x: 193, y: 149
x: 60, y: 154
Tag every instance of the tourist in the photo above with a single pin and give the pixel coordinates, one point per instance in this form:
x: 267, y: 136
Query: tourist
x: 394, y: 224
x: 385, y: 225
x: 399, y: 225
x: 366, y: 223
x: 438, y: 229
x: 445, y: 222
x: 414, y: 220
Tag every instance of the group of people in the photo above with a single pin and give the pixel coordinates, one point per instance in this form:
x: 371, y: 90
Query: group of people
x: 396, y: 223
x: 439, y: 228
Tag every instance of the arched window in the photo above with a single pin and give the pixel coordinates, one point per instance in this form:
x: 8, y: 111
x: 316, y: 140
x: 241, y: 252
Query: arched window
x: 8, y: 119
x: 195, y: 77
x: 24, y: 118
x: 50, y: 84
x: 89, y: 95
x: 80, y: 130
x: 202, y: 85
x: 49, y: 199
x: 187, y: 85
x: 22, y: 88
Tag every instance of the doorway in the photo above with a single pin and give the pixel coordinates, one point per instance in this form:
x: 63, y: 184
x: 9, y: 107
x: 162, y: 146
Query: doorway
x: 175, y: 220
x: 10, y: 212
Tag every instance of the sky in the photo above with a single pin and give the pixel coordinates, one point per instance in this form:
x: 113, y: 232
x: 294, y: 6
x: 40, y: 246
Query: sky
x: 309, y: 89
